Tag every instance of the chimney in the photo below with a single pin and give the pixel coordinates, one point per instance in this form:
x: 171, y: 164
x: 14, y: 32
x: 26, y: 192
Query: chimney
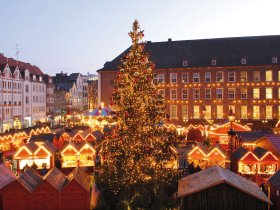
x: 169, y: 40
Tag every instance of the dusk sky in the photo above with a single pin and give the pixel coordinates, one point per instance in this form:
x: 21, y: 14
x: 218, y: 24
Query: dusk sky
x: 80, y: 36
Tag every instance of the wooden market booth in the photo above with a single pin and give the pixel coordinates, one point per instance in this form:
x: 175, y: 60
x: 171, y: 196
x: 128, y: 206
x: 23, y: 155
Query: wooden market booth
x: 86, y: 155
x: 198, y: 155
x: 217, y: 156
x: 31, y: 153
x: 76, y: 194
x: 69, y: 155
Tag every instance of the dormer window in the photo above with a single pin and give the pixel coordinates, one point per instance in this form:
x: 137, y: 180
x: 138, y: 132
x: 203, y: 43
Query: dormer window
x: 274, y: 59
x: 185, y: 63
x: 50, y: 80
x: 243, y: 61
x: 34, y: 77
x: 40, y: 79
x: 213, y: 62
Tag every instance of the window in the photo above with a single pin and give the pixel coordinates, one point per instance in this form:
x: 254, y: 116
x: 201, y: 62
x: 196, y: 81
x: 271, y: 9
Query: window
x: 220, y: 111
x: 173, y: 94
x: 161, y: 92
x: 278, y: 112
x: 243, y: 93
x: 196, y: 77
x: 26, y: 88
x: 173, y: 111
x: 243, y: 61
x: 159, y: 78
x: 256, y: 76
x: 244, y: 112
x: 196, y: 93
x: 185, y: 77
x: 184, y: 94
x: 219, y: 93
x: 268, y: 112
x: 213, y: 62
x: 173, y: 77
x: 243, y: 76
x: 274, y: 59
x: 40, y: 79
x: 207, y: 112
x: 268, y: 93
x: 185, y: 63
x: 34, y: 77
x: 185, y: 112
x: 256, y: 93
x: 268, y: 75
x: 231, y: 76
x: 207, y: 76
x: 279, y: 93
x: 256, y: 112
x: 207, y: 93
x: 196, y: 112
x: 231, y: 93
x: 27, y: 100
x: 220, y: 76
x: 278, y: 75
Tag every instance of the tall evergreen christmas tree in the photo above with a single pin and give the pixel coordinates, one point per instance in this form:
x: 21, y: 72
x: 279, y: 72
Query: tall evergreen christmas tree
x: 138, y: 166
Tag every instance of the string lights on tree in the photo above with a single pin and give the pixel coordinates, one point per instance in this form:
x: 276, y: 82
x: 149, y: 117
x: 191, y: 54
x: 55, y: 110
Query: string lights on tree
x: 137, y: 170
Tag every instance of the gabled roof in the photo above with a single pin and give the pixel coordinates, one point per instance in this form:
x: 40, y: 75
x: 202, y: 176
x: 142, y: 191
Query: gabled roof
x: 239, y: 153
x: 81, y: 177
x: 43, y: 137
x: 56, y: 178
x: 275, y: 141
x: 30, y: 179
x: 66, y: 86
x: 259, y: 152
x: 221, y: 150
x: 217, y: 175
x: 258, y: 50
x: 252, y: 136
x: 6, y: 176
x: 275, y: 180
x: 201, y: 147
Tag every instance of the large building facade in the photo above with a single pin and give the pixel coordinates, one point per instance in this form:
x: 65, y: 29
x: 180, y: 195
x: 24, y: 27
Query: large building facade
x: 203, y: 79
x: 23, y: 94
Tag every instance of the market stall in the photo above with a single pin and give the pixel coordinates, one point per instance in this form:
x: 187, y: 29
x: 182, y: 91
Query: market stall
x: 248, y: 164
x: 69, y: 156
x: 86, y: 155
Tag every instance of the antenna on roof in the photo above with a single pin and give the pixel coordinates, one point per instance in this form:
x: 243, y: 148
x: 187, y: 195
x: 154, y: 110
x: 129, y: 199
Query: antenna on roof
x: 17, y: 50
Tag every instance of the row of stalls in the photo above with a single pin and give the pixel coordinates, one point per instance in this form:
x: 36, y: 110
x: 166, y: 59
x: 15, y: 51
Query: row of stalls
x: 53, y: 191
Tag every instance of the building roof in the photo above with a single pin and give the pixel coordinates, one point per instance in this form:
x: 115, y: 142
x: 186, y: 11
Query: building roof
x: 30, y: 179
x: 258, y: 50
x: 275, y: 141
x: 275, y: 180
x: 239, y: 153
x: 251, y: 136
x: 22, y: 65
x: 66, y: 86
x: 259, y: 152
x: 43, y: 137
x: 217, y: 175
x: 81, y: 177
x: 56, y: 178
x: 6, y: 176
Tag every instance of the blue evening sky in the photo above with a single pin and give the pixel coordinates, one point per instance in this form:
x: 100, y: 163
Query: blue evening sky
x: 81, y: 35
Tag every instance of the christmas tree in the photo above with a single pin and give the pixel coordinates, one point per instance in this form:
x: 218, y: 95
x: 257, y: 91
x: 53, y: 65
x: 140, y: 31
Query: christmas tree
x: 138, y: 165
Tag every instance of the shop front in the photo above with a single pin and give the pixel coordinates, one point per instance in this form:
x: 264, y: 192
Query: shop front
x: 87, y: 155
x: 69, y: 156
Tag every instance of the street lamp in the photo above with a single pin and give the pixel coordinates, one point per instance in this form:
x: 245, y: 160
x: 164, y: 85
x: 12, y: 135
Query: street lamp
x: 264, y: 123
x: 231, y: 133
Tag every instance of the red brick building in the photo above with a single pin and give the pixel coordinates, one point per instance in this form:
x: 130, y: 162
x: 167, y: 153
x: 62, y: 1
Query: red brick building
x: 204, y: 78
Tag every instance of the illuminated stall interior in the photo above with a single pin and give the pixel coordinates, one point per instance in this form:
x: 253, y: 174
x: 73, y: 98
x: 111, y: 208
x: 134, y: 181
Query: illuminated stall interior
x: 69, y: 156
x: 86, y: 155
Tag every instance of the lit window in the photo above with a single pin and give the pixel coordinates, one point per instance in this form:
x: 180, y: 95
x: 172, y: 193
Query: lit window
x: 268, y: 75
x: 208, y: 77
x: 256, y: 93
x: 231, y: 93
x: 243, y: 76
x: 184, y: 94
x: 243, y: 61
x: 196, y: 112
x: 274, y: 59
x: 244, y: 112
x: 232, y: 107
x: 196, y: 77
x: 268, y: 93
x: 207, y: 112
x: 159, y: 78
x: 256, y: 76
x: 278, y: 112
x: 268, y: 112
x: 279, y: 93
x: 161, y: 92
x: 231, y: 76
x: 207, y: 93
x: 219, y: 93
x: 243, y: 93
x: 185, y: 112
x: 213, y: 62
x: 185, y: 63
x: 173, y: 77
x: 185, y: 77
x: 256, y: 112
x: 173, y: 94
x: 196, y: 93
x: 220, y: 76
x: 173, y: 111
x: 220, y: 111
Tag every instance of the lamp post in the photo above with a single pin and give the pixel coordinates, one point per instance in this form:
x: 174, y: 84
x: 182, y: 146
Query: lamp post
x: 231, y: 133
x: 264, y: 123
